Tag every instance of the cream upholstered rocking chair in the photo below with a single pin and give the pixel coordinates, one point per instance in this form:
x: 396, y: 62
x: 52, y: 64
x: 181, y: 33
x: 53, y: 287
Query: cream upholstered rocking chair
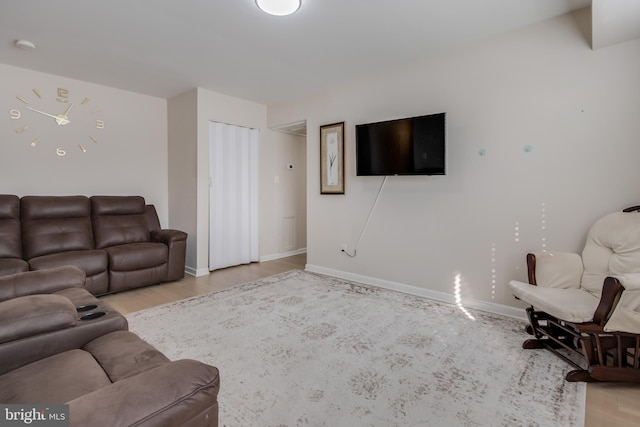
x: 586, y: 309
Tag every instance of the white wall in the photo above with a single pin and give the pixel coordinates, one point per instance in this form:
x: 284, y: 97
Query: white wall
x: 183, y: 153
x: 542, y: 87
x: 283, y: 193
x: 130, y: 158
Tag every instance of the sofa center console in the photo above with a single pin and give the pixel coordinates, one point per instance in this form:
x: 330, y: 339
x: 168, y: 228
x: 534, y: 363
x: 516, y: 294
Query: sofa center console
x: 33, y: 325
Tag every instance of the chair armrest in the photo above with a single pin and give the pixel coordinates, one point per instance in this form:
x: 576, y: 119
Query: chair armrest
x: 562, y: 270
x: 626, y: 314
x: 168, y: 236
x: 40, y: 282
x: 171, y: 394
x: 610, y: 296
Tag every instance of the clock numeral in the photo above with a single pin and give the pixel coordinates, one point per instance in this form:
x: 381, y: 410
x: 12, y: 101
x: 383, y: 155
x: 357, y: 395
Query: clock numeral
x: 63, y: 95
x: 22, y: 129
x: 99, y: 124
x: 15, y: 114
x: 61, y: 151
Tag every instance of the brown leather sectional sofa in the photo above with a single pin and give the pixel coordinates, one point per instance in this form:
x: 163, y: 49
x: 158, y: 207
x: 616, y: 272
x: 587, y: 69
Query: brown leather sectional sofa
x: 60, y: 344
x: 116, y: 240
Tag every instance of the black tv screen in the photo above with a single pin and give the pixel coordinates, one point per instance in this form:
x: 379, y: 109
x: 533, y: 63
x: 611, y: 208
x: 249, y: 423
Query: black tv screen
x: 411, y: 146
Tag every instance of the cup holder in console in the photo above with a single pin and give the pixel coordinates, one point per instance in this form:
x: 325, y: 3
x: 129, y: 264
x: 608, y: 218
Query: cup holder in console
x: 86, y: 307
x: 92, y: 316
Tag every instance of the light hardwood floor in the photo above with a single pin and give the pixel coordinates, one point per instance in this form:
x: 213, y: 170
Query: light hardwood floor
x: 608, y: 404
x: 150, y: 296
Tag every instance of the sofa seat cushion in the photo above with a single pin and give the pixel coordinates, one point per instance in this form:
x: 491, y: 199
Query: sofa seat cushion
x: 92, y: 262
x: 137, y: 256
x: 34, y: 315
x: 571, y: 305
x: 12, y: 265
x: 180, y: 393
x: 56, y: 379
x: 123, y: 354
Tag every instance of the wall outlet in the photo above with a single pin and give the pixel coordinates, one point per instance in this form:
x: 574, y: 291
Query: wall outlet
x: 343, y: 247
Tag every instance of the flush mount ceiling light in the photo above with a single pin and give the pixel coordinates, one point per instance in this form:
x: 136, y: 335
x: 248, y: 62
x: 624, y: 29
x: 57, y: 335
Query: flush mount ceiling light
x: 279, y: 7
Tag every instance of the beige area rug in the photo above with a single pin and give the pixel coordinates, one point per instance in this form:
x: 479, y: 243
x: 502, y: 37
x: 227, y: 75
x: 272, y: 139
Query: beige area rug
x: 302, y: 349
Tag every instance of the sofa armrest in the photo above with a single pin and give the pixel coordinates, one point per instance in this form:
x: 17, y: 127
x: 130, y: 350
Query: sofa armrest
x: 32, y: 315
x: 176, y: 241
x: 168, y: 236
x: 562, y: 270
x: 40, y: 282
x: 173, y: 394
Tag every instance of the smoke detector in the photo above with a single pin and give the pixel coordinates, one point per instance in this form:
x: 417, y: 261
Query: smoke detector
x: 25, y: 44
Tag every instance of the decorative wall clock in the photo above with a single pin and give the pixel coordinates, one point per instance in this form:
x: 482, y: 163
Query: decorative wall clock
x: 42, y: 109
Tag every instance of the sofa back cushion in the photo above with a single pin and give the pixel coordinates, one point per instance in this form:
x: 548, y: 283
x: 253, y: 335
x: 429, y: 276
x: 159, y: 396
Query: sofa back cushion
x: 54, y: 224
x: 152, y: 218
x: 612, y: 249
x: 10, y: 239
x: 118, y: 220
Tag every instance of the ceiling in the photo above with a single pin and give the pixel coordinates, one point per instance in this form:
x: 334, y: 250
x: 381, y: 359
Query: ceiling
x: 167, y: 47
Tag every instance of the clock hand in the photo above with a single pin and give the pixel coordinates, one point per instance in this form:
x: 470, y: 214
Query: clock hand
x: 42, y: 112
x: 67, y: 111
x: 61, y: 119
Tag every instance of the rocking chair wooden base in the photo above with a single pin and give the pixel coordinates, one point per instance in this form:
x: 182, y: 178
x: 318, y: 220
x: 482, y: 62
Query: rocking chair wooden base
x: 553, y: 334
x: 596, y: 354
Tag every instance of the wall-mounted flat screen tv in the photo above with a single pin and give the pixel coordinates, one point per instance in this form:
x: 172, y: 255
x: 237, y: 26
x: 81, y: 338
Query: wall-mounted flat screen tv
x: 411, y: 146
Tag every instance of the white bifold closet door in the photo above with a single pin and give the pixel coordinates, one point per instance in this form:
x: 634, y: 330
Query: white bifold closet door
x: 233, y: 195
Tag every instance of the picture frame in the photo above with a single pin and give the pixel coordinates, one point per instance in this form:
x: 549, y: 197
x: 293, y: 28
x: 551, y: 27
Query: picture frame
x: 332, y: 178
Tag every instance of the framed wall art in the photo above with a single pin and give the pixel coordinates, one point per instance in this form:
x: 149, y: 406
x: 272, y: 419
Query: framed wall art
x: 332, y: 159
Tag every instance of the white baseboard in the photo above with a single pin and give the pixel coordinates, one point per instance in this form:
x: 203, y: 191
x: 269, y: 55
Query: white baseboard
x: 490, y: 307
x: 205, y: 271
x: 196, y: 272
x: 283, y: 255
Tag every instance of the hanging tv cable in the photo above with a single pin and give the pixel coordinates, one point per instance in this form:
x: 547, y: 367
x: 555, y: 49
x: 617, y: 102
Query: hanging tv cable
x: 375, y: 202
